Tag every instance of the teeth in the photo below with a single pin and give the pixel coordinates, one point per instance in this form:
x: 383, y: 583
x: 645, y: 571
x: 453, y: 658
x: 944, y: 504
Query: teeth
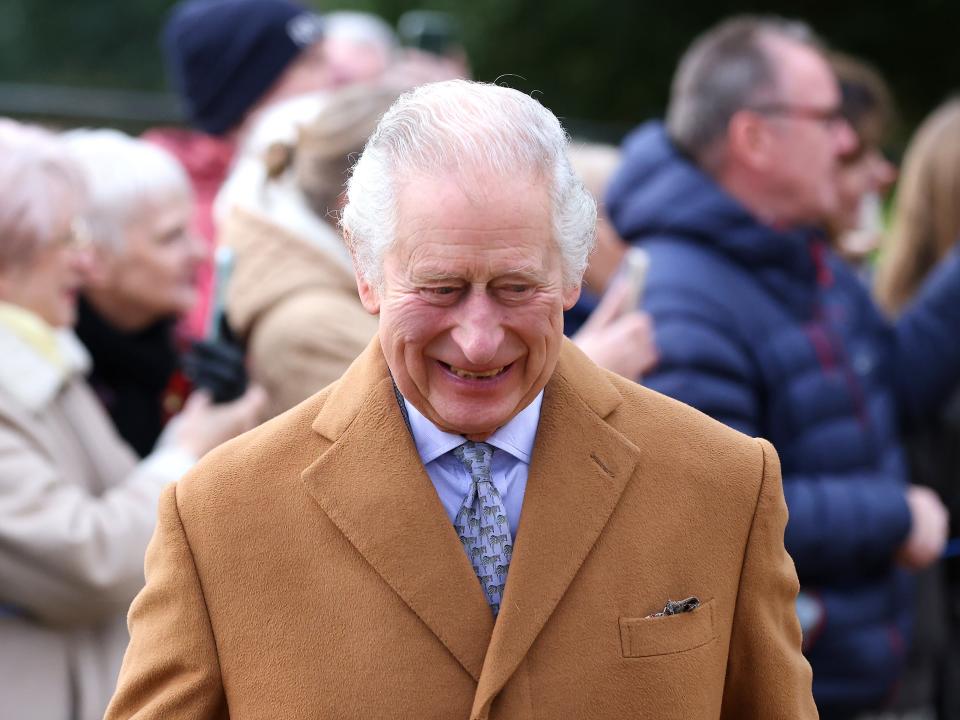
x: 467, y: 375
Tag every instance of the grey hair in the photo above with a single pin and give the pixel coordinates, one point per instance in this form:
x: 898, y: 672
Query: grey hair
x: 451, y: 128
x: 725, y: 70
x: 42, y: 190
x: 123, y: 175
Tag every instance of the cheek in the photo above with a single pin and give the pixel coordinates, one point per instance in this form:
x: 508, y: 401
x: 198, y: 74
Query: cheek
x: 538, y: 324
x: 846, y: 186
x: 411, y: 322
x: 855, y: 184
x: 168, y: 270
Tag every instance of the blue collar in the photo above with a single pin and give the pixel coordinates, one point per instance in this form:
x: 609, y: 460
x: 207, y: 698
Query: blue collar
x: 516, y: 437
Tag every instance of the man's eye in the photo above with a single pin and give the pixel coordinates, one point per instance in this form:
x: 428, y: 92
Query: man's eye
x: 516, y: 290
x: 442, y: 292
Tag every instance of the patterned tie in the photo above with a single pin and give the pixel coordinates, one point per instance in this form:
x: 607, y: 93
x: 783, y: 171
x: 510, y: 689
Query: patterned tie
x: 482, y: 523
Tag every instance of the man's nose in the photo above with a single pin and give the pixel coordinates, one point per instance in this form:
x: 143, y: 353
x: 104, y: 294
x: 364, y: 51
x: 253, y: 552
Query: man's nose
x: 845, y: 138
x: 478, y: 332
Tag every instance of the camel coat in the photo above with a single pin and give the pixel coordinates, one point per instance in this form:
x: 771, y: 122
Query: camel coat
x: 76, y: 513
x: 308, y: 570
x: 296, y: 306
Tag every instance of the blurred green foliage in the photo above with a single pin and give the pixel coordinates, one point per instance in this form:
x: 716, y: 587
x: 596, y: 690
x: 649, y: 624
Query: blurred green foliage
x: 606, y: 62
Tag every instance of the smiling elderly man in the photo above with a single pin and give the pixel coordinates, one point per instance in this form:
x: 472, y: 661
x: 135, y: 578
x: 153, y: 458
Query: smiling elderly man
x: 474, y: 521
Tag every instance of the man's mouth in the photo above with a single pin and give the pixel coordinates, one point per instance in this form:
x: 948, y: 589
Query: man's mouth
x: 470, y: 375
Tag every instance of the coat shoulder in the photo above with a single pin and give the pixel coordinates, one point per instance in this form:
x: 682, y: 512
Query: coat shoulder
x: 255, y: 466
x: 692, y: 443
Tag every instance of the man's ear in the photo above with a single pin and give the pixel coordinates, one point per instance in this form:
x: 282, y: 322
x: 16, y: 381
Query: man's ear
x: 369, y: 295
x: 748, y: 140
x: 570, y: 296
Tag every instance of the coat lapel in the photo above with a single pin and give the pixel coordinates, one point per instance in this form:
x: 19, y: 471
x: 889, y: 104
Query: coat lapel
x: 579, y: 469
x: 372, y: 485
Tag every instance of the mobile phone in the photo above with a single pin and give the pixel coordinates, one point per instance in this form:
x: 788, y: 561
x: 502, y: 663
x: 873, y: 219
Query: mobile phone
x: 634, y: 268
x: 428, y: 30
x: 223, y: 260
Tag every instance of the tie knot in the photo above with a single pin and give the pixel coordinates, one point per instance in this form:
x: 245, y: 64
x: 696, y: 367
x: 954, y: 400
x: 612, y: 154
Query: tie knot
x: 476, y: 457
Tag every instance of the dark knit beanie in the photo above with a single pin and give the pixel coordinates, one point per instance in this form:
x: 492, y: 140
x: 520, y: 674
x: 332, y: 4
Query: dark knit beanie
x: 223, y: 55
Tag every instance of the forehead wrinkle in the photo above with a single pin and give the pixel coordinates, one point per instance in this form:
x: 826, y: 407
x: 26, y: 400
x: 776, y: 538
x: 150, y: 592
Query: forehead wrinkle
x: 434, y: 270
x: 429, y: 278
x: 530, y: 270
x: 429, y: 227
x: 429, y: 274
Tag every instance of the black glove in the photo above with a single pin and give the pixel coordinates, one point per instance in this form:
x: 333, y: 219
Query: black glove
x: 216, y: 366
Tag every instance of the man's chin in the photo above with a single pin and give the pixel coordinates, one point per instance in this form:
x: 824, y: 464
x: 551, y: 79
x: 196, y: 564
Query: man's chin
x: 471, y: 428
x: 475, y: 424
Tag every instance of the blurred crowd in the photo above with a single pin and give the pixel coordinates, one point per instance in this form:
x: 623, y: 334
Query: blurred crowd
x: 758, y: 256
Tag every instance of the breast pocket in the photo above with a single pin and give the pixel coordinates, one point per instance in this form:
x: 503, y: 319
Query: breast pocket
x: 666, y: 635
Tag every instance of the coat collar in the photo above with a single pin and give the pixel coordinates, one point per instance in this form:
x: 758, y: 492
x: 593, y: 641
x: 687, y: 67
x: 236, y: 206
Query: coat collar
x: 372, y: 485
x: 29, y: 377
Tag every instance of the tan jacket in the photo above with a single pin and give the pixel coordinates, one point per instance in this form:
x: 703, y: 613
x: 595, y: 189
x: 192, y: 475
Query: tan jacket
x: 76, y: 513
x: 308, y: 570
x: 296, y: 306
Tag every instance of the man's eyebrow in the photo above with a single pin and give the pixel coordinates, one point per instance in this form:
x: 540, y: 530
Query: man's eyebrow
x: 428, y: 276
x: 528, y: 271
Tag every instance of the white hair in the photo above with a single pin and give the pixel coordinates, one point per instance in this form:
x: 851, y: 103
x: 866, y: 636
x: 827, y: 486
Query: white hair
x: 451, y: 127
x: 42, y: 190
x: 123, y: 175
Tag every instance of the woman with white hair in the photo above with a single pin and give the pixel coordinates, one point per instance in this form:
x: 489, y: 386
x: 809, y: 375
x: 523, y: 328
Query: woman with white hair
x: 76, y: 507
x: 138, y: 213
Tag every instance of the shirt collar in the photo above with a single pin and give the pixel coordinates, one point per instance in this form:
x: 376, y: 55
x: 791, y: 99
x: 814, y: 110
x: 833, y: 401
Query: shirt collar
x: 516, y: 437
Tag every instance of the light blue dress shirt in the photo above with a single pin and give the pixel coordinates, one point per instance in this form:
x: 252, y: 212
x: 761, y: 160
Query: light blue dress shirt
x: 509, y: 465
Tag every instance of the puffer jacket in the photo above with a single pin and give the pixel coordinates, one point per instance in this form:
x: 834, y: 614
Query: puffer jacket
x: 769, y: 332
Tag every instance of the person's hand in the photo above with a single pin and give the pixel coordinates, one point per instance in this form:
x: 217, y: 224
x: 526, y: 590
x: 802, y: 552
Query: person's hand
x: 928, y: 529
x: 618, y: 338
x: 216, y: 366
x: 202, y: 425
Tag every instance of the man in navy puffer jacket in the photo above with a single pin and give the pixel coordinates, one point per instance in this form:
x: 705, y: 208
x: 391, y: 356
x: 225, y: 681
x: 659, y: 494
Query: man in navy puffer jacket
x: 759, y: 325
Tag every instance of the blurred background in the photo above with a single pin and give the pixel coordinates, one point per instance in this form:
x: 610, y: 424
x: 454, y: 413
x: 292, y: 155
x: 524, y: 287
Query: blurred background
x: 602, y: 66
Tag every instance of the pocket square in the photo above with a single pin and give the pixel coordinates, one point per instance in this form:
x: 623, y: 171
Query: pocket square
x: 675, y: 607
x: 683, y: 625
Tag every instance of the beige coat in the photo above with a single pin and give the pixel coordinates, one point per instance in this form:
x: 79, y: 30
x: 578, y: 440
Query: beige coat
x: 76, y: 513
x: 296, y: 306
x: 308, y: 570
